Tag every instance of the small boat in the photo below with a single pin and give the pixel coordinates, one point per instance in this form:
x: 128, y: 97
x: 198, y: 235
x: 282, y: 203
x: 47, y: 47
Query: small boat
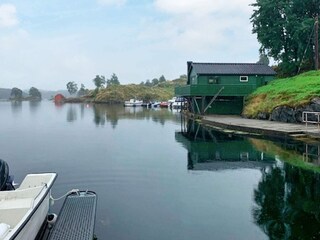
x: 23, y: 211
x: 133, y: 103
x: 155, y: 104
x: 164, y: 104
x: 178, y: 104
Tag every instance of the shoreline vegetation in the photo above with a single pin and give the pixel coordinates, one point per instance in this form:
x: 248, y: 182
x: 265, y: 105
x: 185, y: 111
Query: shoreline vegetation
x: 287, y: 96
x: 116, y: 94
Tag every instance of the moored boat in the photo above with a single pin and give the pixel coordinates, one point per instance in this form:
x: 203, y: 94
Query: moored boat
x: 164, y: 104
x: 23, y: 211
x: 179, y: 103
x: 133, y: 103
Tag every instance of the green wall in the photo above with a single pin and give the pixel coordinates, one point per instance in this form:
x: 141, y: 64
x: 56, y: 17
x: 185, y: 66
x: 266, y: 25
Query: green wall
x: 222, y: 106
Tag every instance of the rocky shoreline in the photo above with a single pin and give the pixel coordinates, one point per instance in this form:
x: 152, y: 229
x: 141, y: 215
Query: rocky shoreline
x: 291, y: 115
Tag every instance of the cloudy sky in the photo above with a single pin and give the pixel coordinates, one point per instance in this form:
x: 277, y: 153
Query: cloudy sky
x: 46, y: 44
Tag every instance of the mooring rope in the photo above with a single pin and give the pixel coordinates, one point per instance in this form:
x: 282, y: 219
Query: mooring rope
x: 59, y: 198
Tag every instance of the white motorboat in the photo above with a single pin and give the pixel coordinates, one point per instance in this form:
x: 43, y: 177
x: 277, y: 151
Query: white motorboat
x: 178, y: 103
x: 24, y: 210
x: 133, y: 103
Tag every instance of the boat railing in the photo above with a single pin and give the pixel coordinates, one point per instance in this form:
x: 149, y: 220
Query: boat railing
x: 315, y: 118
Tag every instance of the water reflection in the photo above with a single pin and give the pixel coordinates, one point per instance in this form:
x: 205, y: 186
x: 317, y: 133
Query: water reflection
x: 297, y: 153
x: 71, y: 113
x: 288, y: 203
x: 16, y: 106
x: 34, y: 105
x: 99, y: 115
x: 287, y: 197
x: 114, y: 113
x: 212, y: 150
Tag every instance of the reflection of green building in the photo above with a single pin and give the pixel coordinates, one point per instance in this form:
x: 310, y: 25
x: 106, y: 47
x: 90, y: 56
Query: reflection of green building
x: 212, y: 150
x: 219, y: 88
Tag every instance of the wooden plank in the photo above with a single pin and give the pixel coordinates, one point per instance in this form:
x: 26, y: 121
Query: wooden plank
x: 264, y: 127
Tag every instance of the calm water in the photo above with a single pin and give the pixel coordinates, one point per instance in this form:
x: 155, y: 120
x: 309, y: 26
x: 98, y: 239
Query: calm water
x: 158, y: 177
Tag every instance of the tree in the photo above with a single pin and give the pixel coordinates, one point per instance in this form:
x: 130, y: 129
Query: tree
x: 72, y: 87
x: 113, y: 80
x: 82, y: 91
x: 16, y: 93
x: 148, y: 83
x: 183, y: 76
x: 34, y: 93
x: 263, y: 59
x: 155, y: 81
x: 99, y: 81
x: 284, y: 30
x: 162, y: 79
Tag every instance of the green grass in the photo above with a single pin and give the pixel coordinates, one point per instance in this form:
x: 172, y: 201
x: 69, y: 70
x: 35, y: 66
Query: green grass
x: 291, y: 92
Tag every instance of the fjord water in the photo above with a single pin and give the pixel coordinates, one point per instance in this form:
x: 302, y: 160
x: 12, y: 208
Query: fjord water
x: 158, y: 176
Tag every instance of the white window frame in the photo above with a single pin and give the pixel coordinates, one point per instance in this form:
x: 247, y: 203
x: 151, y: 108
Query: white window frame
x: 246, y: 78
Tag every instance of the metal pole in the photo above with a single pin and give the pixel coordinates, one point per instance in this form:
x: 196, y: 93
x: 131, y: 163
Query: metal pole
x: 316, y: 43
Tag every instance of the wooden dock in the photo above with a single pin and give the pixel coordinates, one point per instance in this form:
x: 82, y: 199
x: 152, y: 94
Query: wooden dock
x: 76, y: 218
x: 263, y: 127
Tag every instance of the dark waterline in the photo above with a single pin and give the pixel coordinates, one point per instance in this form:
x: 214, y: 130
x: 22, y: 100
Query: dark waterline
x: 159, y: 178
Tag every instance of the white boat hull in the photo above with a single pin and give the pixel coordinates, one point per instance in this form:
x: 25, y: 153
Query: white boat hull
x: 24, y: 210
x: 33, y: 226
x: 133, y: 103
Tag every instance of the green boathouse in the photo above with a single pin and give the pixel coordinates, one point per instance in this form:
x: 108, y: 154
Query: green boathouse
x: 220, y: 88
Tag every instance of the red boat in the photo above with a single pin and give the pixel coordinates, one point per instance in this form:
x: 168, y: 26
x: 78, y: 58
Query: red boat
x: 164, y: 104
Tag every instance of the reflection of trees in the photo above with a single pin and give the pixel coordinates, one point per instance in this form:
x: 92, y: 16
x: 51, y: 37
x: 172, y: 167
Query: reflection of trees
x: 99, y: 115
x: 288, y: 203
x: 16, y: 106
x: 34, y: 105
x: 71, y: 114
x: 114, y: 113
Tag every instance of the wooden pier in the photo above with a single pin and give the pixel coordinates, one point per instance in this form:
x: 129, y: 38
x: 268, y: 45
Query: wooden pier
x: 263, y: 127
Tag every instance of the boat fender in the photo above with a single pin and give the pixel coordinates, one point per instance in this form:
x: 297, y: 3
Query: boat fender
x: 4, y: 229
x: 51, y: 218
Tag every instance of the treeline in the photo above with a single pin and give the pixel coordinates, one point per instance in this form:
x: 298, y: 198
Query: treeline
x: 99, y: 81
x: 156, y: 81
x: 17, y: 94
x: 286, y: 32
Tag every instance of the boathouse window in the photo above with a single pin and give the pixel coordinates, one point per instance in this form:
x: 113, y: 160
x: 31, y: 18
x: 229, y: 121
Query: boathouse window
x: 213, y: 80
x: 243, y: 78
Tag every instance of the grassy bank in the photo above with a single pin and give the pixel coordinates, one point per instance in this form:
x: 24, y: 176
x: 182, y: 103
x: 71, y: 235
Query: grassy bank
x: 291, y: 92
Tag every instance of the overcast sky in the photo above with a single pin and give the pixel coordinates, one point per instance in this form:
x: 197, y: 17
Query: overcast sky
x: 46, y: 44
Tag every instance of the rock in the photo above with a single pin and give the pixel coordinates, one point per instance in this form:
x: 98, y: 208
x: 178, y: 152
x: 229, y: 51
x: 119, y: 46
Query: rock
x: 263, y: 116
x: 275, y: 115
x: 292, y: 115
x: 315, y: 101
x: 283, y: 114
